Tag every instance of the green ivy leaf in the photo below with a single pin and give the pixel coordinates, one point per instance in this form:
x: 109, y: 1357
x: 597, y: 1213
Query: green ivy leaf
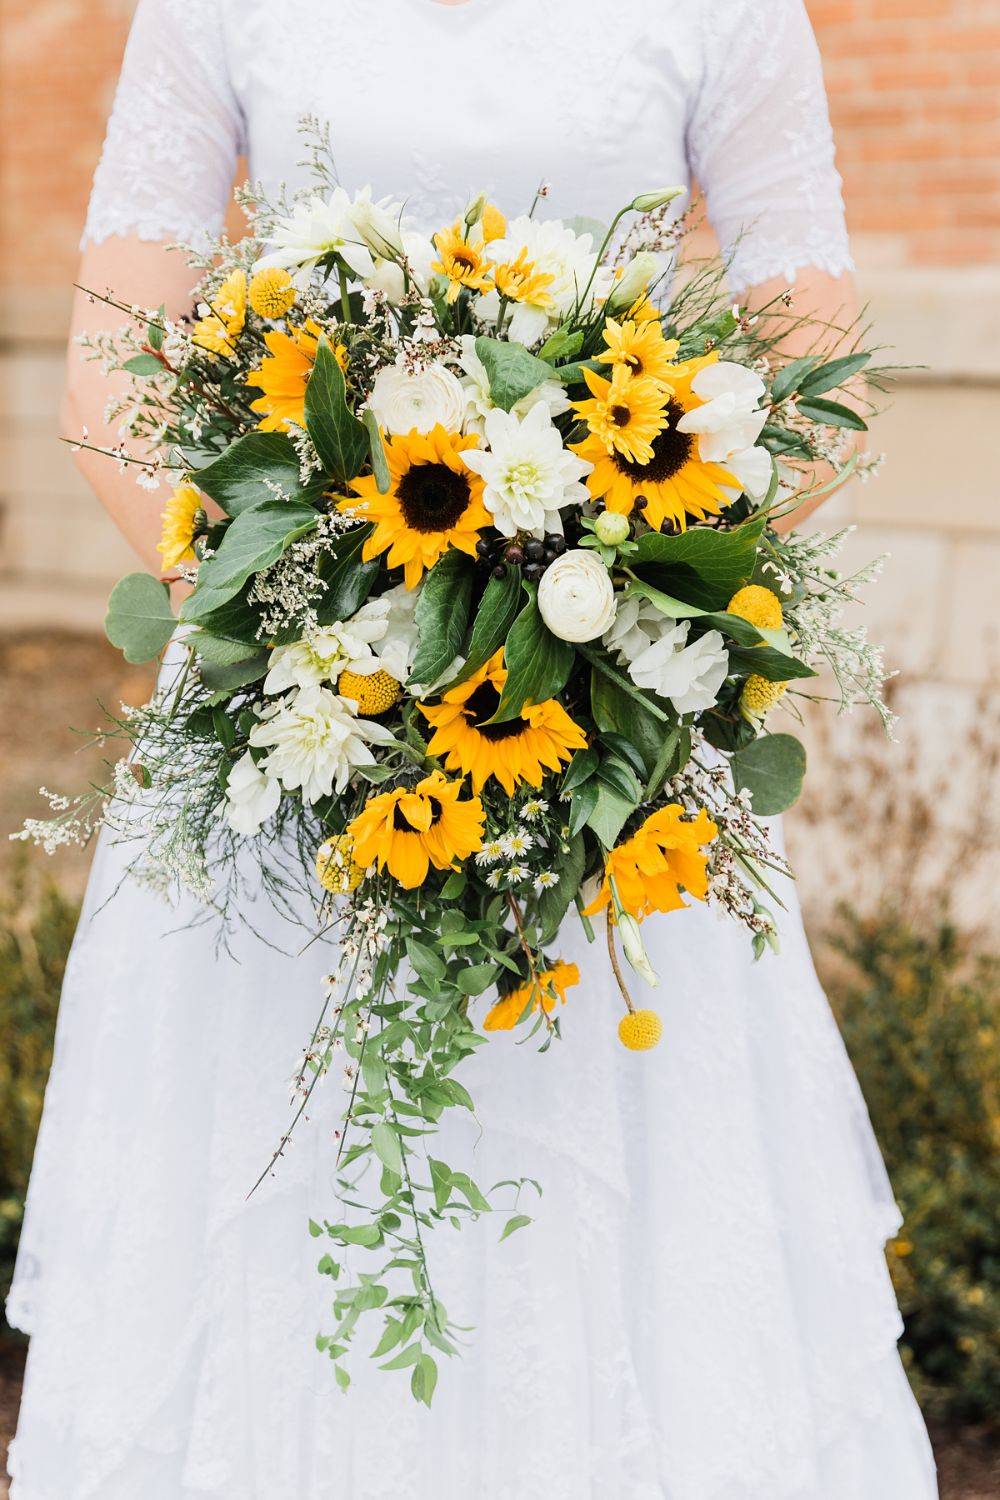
x: 538, y: 664
x: 771, y: 768
x: 512, y: 372
x: 340, y: 439
x: 254, y: 541
x: 242, y: 476
x: 139, y: 620
x: 348, y: 579
x: 442, y: 615
x: 494, y: 618
x: 700, y: 566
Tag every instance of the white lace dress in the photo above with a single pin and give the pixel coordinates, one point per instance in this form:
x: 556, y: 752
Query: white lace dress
x: 701, y: 1311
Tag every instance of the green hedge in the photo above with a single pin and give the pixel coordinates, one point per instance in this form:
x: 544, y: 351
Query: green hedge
x: 919, y: 1014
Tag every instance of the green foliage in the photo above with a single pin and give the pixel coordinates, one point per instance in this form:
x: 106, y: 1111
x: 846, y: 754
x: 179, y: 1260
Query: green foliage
x: 512, y: 372
x: 442, y: 615
x: 538, y: 663
x: 244, y: 475
x: 919, y: 1013
x: 341, y: 440
x: 700, y: 566
x: 254, y: 541
x: 139, y: 620
x: 36, y: 929
x: 772, y: 769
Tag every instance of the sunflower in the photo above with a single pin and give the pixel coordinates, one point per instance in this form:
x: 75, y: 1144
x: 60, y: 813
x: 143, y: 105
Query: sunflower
x: 542, y: 738
x: 625, y: 415
x: 461, y: 261
x: 218, y: 329
x: 545, y: 990
x: 179, y: 526
x: 407, y: 831
x: 284, y: 373
x: 652, y: 867
x: 520, y: 280
x: 433, y: 502
x: 672, y: 480
x: 638, y: 348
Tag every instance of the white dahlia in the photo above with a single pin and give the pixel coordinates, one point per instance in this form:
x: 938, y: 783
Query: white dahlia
x: 318, y: 226
x: 315, y: 740
x: 323, y: 654
x: 529, y: 476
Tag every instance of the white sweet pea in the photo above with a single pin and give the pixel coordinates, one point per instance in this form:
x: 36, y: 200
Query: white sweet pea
x: 529, y: 475
x: 387, y: 274
x: 251, y: 797
x: 394, y: 611
x: 753, y: 468
x: 553, y: 250
x: 576, y: 598
x: 378, y: 222
x: 323, y: 654
x: 654, y: 651
x: 407, y: 401
x: 315, y: 740
x: 317, y: 226
x: 551, y: 393
x: 729, y: 420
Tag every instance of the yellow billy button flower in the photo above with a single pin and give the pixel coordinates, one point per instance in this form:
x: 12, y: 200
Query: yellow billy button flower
x: 757, y: 605
x: 374, y: 694
x: 624, y: 415
x: 638, y: 348
x: 218, y: 329
x: 662, y: 859
x: 407, y: 831
x: 542, y: 738
x: 492, y: 223
x: 272, y: 293
x: 640, y: 1030
x: 461, y: 260
x: 179, y: 524
x: 759, y: 696
x: 433, y: 502
x: 545, y: 991
x: 336, y: 869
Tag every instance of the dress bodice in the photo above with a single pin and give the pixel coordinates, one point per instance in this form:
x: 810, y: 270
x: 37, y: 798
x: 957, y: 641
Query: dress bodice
x: 431, y: 103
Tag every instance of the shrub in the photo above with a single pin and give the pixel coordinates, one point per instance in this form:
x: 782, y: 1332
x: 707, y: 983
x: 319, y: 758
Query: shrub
x: 918, y: 1012
x: 36, y: 929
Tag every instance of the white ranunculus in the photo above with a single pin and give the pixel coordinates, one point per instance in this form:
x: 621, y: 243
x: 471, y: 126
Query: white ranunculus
x: 635, y: 280
x: 554, y: 250
x: 317, y: 226
x: 730, y: 418
x: 315, y: 740
x: 323, y: 654
x: 576, y: 598
x: 551, y: 393
x: 753, y: 468
x: 394, y: 611
x: 407, y: 401
x: 251, y: 797
x: 654, y: 651
x: 387, y: 274
x: 529, y: 476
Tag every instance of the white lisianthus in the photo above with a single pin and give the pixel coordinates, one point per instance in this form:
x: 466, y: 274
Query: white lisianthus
x: 378, y: 222
x: 405, y: 401
x: 251, y: 797
x: 323, y: 654
x: 394, y: 612
x: 576, y: 598
x: 387, y: 273
x: 553, y: 250
x: 551, y: 393
x: 529, y: 475
x: 647, y: 203
x: 729, y: 419
x: 317, y: 226
x: 315, y: 740
x: 654, y: 651
x: 635, y: 280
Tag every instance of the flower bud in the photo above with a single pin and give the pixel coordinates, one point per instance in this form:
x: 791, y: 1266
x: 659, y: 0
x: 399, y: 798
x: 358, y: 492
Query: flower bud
x: 634, y: 281
x: 611, y: 528
x: 474, y: 212
x: 634, y: 949
x: 648, y: 203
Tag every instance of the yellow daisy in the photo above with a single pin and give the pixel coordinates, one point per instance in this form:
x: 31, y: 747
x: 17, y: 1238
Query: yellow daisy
x: 178, y: 526
x: 541, y: 739
x: 671, y: 483
x: 433, y: 502
x: 519, y: 280
x: 406, y: 831
x: 664, y: 857
x: 462, y: 261
x: 638, y: 348
x: 283, y: 375
x: 624, y: 415
x: 545, y: 990
x: 219, y: 329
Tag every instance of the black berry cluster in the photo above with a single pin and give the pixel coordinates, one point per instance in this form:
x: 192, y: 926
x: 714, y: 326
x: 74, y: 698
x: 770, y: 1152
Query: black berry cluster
x: 529, y: 554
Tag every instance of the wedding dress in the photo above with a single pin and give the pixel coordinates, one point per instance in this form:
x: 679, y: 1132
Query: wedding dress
x: 701, y: 1310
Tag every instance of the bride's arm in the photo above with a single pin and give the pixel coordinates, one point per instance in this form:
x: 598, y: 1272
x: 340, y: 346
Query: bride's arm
x: 165, y: 175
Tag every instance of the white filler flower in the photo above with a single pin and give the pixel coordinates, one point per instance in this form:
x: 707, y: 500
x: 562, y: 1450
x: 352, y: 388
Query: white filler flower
x: 551, y: 393
x: 529, y: 475
x: 323, y: 654
x: 318, y: 226
x: 315, y: 740
x: 405, y: 401
x: 653, y: 650
x: 576, y: 598
x: 251, y: 797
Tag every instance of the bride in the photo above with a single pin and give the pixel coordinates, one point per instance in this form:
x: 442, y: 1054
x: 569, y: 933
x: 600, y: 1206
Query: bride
x: 701, y: 1310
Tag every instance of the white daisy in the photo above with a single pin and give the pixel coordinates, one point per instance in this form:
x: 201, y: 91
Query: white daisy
x: 516, y: 844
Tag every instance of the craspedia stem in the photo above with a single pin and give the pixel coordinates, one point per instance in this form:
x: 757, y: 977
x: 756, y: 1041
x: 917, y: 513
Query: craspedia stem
x: 609, y: 927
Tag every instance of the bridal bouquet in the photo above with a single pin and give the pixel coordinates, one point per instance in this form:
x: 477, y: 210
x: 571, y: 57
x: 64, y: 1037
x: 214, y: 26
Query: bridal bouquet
x: 486, y: 620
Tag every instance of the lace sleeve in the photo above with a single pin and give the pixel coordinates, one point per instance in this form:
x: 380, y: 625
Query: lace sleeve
x: 175, y: 130
x: 760, y: 144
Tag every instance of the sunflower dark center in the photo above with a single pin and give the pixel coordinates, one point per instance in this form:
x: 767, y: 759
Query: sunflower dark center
x: 482, y: 705
x: 402, y: 823
x: 465, y: 260
x: 621, y: 416
x: 432, y: 497
x: 671, y: 451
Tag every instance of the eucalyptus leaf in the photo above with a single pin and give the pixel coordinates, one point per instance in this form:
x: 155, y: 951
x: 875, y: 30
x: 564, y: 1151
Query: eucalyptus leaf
x: 139, y: 620
x: 339, y: 438
x: 512, y: 372
x: 771, y: 769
